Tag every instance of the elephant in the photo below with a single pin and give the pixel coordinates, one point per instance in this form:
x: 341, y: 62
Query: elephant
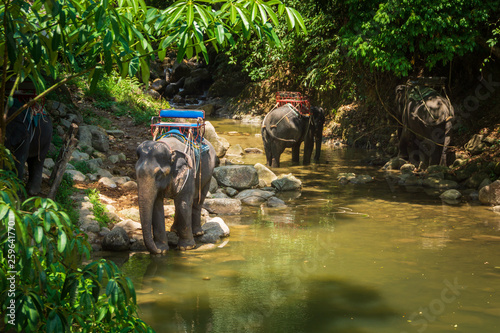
x: 28, y: 137
x: 425, y: 123
x: 284, y: 127
x: 174, y: 168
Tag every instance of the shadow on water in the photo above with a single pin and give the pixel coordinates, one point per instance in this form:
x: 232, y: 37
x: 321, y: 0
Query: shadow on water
x: 272, y: 304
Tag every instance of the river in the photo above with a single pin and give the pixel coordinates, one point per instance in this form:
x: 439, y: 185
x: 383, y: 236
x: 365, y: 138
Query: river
x: 340, y: 258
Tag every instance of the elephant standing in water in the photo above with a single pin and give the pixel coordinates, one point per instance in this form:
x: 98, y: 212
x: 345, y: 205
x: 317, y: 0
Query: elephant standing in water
x: 426, y: 120
x: 170, y: 168
x: 284, y: 127
x: 28, y: 137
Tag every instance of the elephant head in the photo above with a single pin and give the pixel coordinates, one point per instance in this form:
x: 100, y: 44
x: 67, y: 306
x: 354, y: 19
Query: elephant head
x: 160, y: 172
x: 314, y: 134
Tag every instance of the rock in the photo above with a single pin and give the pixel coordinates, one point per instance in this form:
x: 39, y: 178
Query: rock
x: 490, y: 194
x: 129, y: 226
x: 345, y: 177
x: 49, y: 163
x: 85, y: 139
x: 451, y: 196
x: 265, y: 173
x: 230, y: 191
x: 114, y: 159
x: 221, y: 145
x: 437, y: 169
x: 159, y: 85
x: 103, y: 173
x: 239, y: 177
x: 129, y: 186
x: 76, y: 175
x: 485, y: 182
x: 407, y: 168
x: 394, y: 164
x: 131, y: 213
x: 120, y: 180
x: 253, y: 197
x: 476, y: 144
x: 213, y: 185
x: 112, y: 216
x: 286, y: 182
x: 442, y: 184
x: 253, y: 151
x: 90, y: 225
x: 223, y: 206
x: 476, y: 179
x: 56, y: 109
x: 274, y: 202
x: 94, y: 164
x: 100, y: 140
x: 116, y: 240
x: 361, y: 179
x: 235, y: 150
x: 78, y: 156
x: 217, y: 222
x: 119, y: 134
x: 219, y: 195
x: 138, y: 245
x: 107, y: 182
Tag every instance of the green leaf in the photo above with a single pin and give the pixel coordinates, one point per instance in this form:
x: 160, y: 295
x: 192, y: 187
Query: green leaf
x: 145, y: 71
x: 189, y: 14
x: 244, y: 19
x: 61, y: 242
x: 38, y: 234
x: 233, y: 13
x: 219, y: 33
x: 133, y: 66
x: 108, y: 40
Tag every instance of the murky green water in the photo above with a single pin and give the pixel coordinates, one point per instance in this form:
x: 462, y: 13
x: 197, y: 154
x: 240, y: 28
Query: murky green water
x: 339, y: 258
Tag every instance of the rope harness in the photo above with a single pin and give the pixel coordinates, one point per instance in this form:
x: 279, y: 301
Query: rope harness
x: 192, y: 149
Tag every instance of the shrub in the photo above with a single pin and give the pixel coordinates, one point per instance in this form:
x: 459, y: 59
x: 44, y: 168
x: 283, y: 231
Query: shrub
x: 44, y: 287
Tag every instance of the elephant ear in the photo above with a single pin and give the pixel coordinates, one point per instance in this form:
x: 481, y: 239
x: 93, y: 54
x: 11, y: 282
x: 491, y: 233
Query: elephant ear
x: 182, y: 165
x: 433, y: 111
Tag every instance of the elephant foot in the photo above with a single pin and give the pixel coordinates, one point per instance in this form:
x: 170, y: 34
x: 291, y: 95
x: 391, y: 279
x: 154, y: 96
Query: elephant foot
x: 162, y: 247
x: 185, y: 244
x: 197, y: 233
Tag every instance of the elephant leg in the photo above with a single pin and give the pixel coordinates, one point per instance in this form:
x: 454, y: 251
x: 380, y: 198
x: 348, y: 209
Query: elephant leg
x: 35, y: 171
x: 158, y: 224
x: 183, y: 214
x: 196, y: 212
x: 296, y: 153
x: 267, y: 149
x: 276, y: 151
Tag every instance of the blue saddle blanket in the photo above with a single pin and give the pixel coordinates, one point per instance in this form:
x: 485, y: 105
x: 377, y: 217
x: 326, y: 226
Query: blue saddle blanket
x: 198, y: 147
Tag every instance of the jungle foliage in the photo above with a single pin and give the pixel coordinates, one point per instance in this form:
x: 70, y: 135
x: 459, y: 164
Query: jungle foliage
x: 44, y: 287
x: 348, y: 40
x: 41, y: 37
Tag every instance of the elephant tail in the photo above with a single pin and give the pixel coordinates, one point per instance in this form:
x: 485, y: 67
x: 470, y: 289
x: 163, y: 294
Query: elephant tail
x: 274, y: 137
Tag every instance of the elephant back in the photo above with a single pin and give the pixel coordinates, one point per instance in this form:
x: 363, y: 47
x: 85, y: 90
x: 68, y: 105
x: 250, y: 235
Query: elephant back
x: 428, y: 106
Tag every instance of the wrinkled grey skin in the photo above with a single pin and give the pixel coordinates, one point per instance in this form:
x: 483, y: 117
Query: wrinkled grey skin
x: 29, y: 144
x: 164, y: 171
x: 283, y: 128
x: 424, y: 136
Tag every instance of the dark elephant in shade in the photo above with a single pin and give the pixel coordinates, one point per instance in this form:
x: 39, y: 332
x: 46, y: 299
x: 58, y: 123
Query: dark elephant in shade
x: 171, y: 168
x: 284, y: 127
x: 426, y: 121
x: 28, y: 137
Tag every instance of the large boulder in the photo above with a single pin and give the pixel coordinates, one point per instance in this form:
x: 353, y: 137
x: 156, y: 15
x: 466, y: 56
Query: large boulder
x: 221, y: 145
x: 223, y: 206
x: 116, y: 240
x: 490, y: 194
x: 287, y: 183
x: 265, y: 173
x: 240, y: 177
x: 254, y: 197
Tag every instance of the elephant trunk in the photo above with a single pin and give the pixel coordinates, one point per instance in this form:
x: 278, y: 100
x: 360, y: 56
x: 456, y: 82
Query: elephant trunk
x: 147, y: 196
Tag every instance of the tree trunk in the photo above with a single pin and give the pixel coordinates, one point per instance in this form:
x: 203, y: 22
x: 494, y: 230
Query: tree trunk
x: 70, y: 142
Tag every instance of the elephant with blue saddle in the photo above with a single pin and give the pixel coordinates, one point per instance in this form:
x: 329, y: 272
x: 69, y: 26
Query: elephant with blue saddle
x: 178, y: 168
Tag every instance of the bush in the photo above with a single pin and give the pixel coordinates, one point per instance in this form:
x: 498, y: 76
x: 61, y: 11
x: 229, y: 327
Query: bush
x: 44, y: 287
